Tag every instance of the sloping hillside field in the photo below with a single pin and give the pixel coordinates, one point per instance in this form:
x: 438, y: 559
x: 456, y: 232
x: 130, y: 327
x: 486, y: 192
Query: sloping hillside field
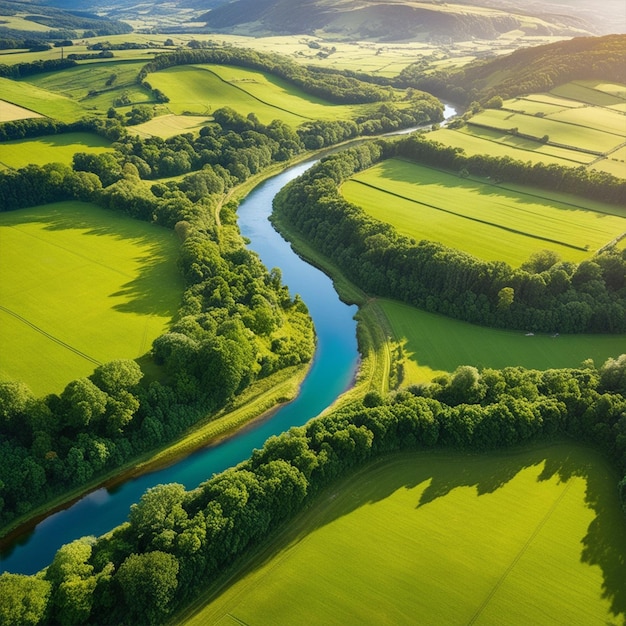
x: 80, y: 286
x: 481, y: 218
x: 579, y: 123
x: 531, y: 536
x: 201, y: 89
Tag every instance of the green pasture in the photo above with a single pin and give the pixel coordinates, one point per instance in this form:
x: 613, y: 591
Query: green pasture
x: 433, y: 344
x: 572, y: 135
x: 87, y: 84
x: 611, y: 166
x: 589, y: 93
x: 606, y: 120
x: 42, y: 101
x: 483, y: 219
x: 475, y: 140
x: 533, y: 107
x: 169, y: 125
x: 79, y: 286
x: 50, y: 149
x: 552, y: 99
x: 200, y: 89
x: 534, y: 535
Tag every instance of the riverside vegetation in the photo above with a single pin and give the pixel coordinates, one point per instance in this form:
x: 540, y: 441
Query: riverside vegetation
x: 237, y: 325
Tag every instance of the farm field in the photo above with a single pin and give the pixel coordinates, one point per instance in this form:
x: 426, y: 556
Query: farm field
x: 486, y: 220
x: 201, y: 89
x: 80, y: 285
x: 587, y: 117
x: 10, y: 112
x: 168, y: 125
x: 42, y: 101
x: 87, y: 84
x: 533, y: 535
x: 433, y: 344
x: 50, y: 149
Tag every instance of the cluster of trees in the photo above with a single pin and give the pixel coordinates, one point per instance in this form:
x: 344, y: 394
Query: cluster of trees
x: 237, y: 323
x: 38, y: 126
x: 527, y: 70
x: 175, y: 541
x: 545, y: 294
x: 22, y: 70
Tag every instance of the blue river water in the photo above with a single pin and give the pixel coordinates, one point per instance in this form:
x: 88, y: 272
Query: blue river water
x: 331, y: 373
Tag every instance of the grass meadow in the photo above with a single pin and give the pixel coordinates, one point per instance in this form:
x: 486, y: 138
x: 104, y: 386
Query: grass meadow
x: 486, y: 220
x: 50, y: 149
x: 79, y: 286
x: 201, y: 89
x: 587, y: 119
x: 433, y: 344
x: 42, y: 101
x: 534, y: 535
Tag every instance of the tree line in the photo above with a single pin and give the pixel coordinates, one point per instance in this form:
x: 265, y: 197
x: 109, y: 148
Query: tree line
x: 176, y: 542
x: 544, y: 295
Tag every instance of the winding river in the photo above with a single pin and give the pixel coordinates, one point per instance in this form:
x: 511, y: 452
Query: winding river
x: 332, y: 371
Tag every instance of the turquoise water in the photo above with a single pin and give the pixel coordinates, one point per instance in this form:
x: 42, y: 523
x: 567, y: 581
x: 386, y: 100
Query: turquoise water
x: 333, y: 369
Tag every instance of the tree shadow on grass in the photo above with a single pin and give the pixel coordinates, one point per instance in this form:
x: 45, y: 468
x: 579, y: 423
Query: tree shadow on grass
x: 604, y: 544
x: 155, y: 285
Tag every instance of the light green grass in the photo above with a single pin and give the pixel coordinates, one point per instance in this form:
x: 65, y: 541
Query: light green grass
x: 86, y: 84
x: 200, y: 90
x: 475, y: 140
x: 433, y: 344
x: 587, y: 91
x: 169, y: 125
x: 477, y: 217
x: 80, y: 285
x: 606, y: 120
x: 50, y: 149
x: 611, y: 166
x: 576, y: 137
x: 532, y: 536
x: 46, y: 103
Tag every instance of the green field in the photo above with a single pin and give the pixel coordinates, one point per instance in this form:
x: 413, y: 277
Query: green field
x: 531, y: 536
x: 585, y: 122
x: 50, y: 149
x: 201, y: 89
x: 80, y: 285
x: 87, y: 84
x: 486, y: 220
x: 42, y: 101
x: 433, y: 344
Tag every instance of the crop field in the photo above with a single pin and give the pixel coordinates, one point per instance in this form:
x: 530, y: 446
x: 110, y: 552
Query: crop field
x: 561, y: 132
x: 200, y: 89
x: 87, y: 84
x: 534, y: 535
x: 80, y: 285
x: 168, y: 125
x: 586, y: 118
x: 50, y: 149
x: 486, y: 220
x: 475, y: 140
x: 10, y: 112
x: 433, y: 344
x: 42, y: 101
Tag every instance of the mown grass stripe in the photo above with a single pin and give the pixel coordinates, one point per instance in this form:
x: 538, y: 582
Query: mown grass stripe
x: 472, y: 219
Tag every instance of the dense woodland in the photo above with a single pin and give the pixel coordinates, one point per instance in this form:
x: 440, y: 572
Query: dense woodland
x: 177, y: 542
x: 544, y: 295
x: 231, y: 330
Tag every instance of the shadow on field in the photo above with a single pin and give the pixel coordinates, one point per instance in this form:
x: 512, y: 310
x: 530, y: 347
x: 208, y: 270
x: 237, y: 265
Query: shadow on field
x: 604, y: 544
x: 155, y: 285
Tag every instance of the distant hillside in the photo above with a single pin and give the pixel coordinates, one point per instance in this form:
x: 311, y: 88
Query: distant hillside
x: 527, y: 70
x: 387, y: 20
